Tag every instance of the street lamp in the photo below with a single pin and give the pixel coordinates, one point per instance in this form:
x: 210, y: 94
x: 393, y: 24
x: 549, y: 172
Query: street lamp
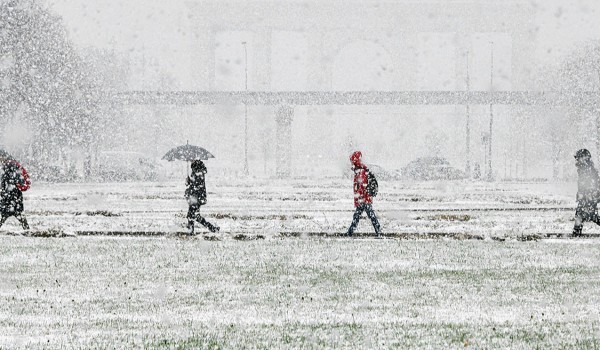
x: 246, y: 170
x: 490, y: 174
x: 468, y: 129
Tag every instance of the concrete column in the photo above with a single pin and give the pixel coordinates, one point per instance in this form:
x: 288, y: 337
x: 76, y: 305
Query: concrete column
x: 284, y: 115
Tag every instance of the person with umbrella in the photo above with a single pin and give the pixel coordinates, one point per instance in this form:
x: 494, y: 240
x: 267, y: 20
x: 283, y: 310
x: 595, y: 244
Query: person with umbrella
x: 12, y: 183
x: 195, y: 193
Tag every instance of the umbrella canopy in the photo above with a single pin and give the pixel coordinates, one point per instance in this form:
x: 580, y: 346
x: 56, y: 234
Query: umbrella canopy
x: 187, y: 153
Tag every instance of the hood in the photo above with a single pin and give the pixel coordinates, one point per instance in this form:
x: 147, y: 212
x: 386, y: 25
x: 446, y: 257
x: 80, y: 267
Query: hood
x: 356, y: 160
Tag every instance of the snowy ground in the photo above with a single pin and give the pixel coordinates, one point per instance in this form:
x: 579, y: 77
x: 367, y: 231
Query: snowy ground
x: 302, y: 291
x: 103, y: 292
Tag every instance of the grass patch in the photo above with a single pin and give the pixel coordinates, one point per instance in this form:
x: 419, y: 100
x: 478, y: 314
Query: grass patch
x: 49, y: 233
x: 292, y: 293
x: 234, y: 217
x: 243, y: 237
x: 98, y: 213
x: 446, y: 217
x: 198, y: 341
x: 394, y: 335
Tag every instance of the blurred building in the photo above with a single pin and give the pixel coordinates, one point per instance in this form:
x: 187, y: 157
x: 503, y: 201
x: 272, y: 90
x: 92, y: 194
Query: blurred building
x: 365, y: 45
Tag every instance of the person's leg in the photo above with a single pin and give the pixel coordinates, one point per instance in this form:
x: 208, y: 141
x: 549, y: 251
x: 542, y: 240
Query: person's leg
x: 3, y: 219
x: 581, y: 216
x: 373, y: 217
x: 205, y: 223
x: 190, y: 217
x: 23, y: 221
x: 355, y: 219
x: 208, y: 225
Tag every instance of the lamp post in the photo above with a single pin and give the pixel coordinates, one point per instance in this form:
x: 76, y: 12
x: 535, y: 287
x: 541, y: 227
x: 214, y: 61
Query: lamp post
x: 490, y: 173
x: 246, y: 170
x: 598, y: 120
x: 468, y: 129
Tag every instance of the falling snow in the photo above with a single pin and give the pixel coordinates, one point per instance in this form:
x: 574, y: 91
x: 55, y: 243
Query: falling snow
x: 468, y: 113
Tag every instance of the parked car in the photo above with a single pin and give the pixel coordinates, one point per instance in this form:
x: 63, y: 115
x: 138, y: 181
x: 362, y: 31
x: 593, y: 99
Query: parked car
x: 432, y: 168
x: 125, y: 166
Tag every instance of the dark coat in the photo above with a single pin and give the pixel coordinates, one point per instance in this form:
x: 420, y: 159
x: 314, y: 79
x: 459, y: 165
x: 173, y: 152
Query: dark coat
x: 11, y: 198
x: 588, y: 193
x: 195, y: 192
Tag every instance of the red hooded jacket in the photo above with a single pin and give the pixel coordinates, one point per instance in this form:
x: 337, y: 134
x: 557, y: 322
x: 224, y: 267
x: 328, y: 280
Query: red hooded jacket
x: 360, y: 180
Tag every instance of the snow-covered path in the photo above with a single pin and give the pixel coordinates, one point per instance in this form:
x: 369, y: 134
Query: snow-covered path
x: 271, y: 207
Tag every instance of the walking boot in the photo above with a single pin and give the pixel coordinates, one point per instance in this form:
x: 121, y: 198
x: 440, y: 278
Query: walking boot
x: 190, y: 227
x: 24, y: 223
x: 213, y: 228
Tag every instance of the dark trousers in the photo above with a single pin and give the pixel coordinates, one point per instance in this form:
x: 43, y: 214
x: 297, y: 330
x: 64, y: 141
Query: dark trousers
x: 585, y: 212
x: 194, y: 214
x: 370, y: 213
x: 19, y: 217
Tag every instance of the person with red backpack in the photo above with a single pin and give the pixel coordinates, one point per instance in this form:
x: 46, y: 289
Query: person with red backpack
x: 363, y: 193
x: 14, y: 181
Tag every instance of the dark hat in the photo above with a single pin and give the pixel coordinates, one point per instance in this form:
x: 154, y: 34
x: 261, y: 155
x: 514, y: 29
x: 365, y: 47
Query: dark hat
x: 583, y: 153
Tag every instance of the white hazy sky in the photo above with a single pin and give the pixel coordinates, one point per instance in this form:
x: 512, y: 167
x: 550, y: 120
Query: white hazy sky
x: 158, y: 29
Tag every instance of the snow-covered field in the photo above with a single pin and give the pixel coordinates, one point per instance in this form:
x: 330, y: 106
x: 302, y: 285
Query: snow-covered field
x: 305, y: 288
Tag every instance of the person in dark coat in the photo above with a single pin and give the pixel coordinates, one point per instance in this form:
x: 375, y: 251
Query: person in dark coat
x: 195, y: 193
x: 362, y: 200
x: 588, y: 194
x: 11, y: 197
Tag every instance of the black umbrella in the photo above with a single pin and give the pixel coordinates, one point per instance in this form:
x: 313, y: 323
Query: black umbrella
x: 187, y: 153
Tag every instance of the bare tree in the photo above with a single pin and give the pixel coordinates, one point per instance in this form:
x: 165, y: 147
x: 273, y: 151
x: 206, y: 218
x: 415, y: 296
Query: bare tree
x: 42, y: 72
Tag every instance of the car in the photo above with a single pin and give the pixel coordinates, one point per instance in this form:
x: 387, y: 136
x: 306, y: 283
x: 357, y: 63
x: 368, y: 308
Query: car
x: 432, y: 168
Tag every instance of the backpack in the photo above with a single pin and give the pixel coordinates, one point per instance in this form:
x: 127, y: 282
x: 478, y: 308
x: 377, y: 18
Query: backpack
x: 372, y: 185
x: 23, y: 182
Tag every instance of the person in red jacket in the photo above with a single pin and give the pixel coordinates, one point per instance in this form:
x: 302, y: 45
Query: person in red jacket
x: 13, y: 181
x: 362, y: 200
